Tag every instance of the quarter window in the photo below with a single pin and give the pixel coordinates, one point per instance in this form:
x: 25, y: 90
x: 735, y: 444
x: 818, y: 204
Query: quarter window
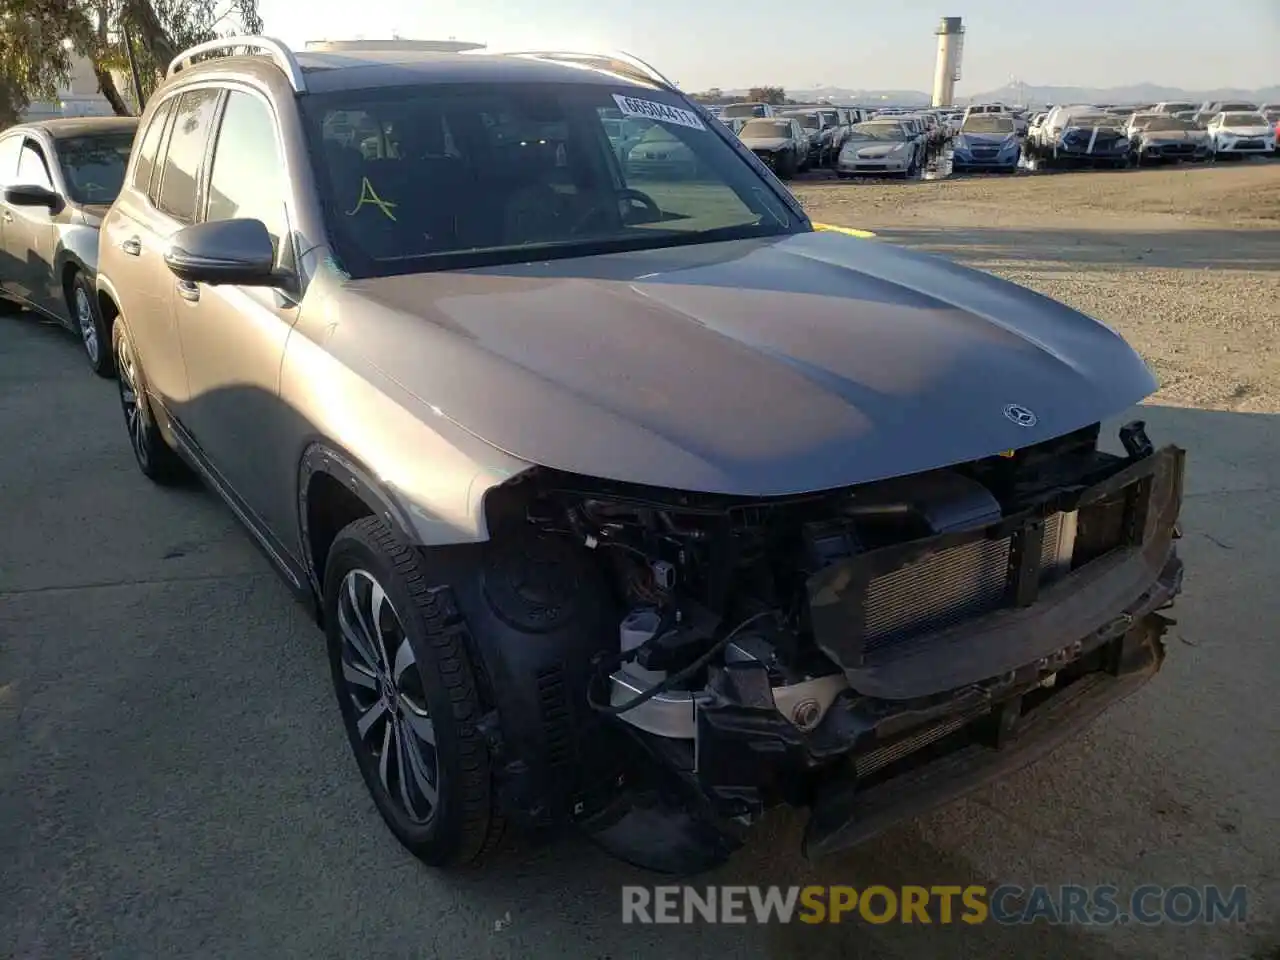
x: 150, y: 146
x: 184, y: 161
x: 32, y: 169
x: 247, y: 179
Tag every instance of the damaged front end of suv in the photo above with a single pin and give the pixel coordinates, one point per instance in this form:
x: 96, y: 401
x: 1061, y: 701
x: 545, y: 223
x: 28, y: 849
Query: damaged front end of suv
x: 866, y: 652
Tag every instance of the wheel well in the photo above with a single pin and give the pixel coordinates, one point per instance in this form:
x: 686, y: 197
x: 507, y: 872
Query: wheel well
x: 107, y: 308
x: 330, y: 507
x: 69, y: 271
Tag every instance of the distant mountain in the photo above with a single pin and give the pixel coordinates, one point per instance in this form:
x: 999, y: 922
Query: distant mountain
x: 1031, y: 95
x: 903, y: 98
x: 1137, y: 93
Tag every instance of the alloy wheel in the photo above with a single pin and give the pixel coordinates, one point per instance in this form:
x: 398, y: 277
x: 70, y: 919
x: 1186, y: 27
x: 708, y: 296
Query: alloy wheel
x: 387, y: 699
x: 131, y: 402
x: 88, y: 329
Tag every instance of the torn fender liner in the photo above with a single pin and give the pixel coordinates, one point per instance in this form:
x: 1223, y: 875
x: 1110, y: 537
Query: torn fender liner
x: 1022, y: 618
x: 845, y: 814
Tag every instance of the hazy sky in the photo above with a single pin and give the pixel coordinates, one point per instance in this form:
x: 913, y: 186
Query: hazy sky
x: 885, y: 45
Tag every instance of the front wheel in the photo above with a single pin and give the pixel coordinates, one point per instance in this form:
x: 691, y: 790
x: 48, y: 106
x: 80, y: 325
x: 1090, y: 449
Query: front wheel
x: 407, y: 691
x: 156, y: 459
x: 94, y: 332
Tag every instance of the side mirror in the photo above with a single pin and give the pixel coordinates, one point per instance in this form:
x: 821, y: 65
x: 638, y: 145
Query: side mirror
x: 31, y: 195
x: 237, y: 252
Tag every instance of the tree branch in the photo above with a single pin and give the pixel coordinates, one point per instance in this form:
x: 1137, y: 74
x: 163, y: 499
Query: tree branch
x: 151, y: 32
x: 107, y: 85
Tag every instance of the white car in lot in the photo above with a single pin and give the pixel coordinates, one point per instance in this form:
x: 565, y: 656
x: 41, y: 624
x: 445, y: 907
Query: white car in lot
x: 1241, y: 134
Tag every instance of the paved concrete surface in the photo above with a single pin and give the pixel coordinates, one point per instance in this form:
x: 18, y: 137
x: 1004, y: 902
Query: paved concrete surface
x: 174, y: 781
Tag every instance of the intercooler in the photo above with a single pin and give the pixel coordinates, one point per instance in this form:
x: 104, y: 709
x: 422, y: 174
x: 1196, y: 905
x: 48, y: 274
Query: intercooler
x: 954, y: 584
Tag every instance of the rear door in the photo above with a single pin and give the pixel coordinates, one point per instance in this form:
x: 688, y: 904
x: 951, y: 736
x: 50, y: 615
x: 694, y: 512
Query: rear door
x: 233, y: 338
x: 170, y: 203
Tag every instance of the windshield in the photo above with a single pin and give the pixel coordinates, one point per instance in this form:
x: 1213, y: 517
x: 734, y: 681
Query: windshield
x: 988, y: 123
x: 1238, y: 108
x: 832, y: 118
x: 765, y: 128
x: 440, y: 176
x: 880, y: 131
x: 1244, y: 120
x: 810, y: 121
x: 744, y: 110
x: 93, y: 165
x: 1091, y: 120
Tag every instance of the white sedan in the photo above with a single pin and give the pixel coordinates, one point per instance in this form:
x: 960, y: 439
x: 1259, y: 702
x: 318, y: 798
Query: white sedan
x: 1241, y: 134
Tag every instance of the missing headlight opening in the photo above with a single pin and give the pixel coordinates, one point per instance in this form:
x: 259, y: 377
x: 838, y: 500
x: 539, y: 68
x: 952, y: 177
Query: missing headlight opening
x: 866, y: 652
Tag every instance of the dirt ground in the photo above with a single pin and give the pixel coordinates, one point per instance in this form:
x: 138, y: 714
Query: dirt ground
x: 1183, y: 262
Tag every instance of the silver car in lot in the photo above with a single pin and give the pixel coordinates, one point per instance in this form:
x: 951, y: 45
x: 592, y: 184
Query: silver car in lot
x: 58, y: 177
x: 1160, y: 138
x: 641, y: 506
x: 889, y: 146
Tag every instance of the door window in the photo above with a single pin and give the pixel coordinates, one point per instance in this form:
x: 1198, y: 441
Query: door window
x: 32, y: 170
x: 184, y: 161
x: 149, y: 146
x: 9, y: 148
x: 248, y: 180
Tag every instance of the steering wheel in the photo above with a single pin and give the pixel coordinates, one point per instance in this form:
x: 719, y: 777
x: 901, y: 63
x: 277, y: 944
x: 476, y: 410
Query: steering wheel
x: 624, y: 195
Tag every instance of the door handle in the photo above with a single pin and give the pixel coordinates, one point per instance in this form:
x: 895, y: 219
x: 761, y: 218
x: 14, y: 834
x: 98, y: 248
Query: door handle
x: 188, y: 290
x: 132, y: 246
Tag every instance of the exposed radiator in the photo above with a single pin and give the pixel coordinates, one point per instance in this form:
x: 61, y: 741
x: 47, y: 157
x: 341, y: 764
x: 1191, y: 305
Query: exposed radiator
x: 954, y: 585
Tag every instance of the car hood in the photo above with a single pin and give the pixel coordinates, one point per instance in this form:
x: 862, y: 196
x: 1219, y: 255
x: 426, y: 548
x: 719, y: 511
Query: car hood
x: 863, y: 142
x: 92, y: 214
x: 1171, y: 136
x: 987, y: 139
x: 755, y: 367
x: 1254, y: 130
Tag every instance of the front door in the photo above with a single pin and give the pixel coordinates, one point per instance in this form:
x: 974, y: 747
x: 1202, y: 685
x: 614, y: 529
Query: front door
x: 233, y: 338
x: 30, y: 236
x: 9, y: 149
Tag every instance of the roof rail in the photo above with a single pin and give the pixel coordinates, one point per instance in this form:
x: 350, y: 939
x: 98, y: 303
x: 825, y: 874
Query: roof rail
x: 619, y: 62
x: 280, y: 55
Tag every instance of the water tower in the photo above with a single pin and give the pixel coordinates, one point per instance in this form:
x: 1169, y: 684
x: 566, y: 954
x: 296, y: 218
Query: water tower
x: 950, y: 35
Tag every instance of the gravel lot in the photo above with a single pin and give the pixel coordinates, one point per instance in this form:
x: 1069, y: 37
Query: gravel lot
x: 174, y: 780
x: 1184, y: 262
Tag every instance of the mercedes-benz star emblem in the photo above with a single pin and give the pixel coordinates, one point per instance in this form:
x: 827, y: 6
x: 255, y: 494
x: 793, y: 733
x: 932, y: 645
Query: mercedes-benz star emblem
x: 1020, y: 415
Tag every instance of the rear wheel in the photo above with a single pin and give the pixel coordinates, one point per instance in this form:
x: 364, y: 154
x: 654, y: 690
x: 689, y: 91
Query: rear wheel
x: 95, y: 334
x: 156, y: 459
x: 407, y: 691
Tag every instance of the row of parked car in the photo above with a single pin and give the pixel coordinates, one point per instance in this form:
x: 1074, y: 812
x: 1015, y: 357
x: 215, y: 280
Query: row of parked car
x: 850, y: 139
x: 1114, y: 135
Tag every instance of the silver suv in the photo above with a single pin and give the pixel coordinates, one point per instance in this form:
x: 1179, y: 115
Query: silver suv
x: 624, y: 496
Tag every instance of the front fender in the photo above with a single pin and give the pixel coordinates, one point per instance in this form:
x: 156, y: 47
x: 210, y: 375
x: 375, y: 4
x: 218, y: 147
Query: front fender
x: 78, y: 244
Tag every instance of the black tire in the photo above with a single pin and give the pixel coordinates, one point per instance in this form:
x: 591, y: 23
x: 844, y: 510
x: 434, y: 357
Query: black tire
x: 461, y: 825
x: 785, y: 168
x: 94, y: 332
x: 158, y: 461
